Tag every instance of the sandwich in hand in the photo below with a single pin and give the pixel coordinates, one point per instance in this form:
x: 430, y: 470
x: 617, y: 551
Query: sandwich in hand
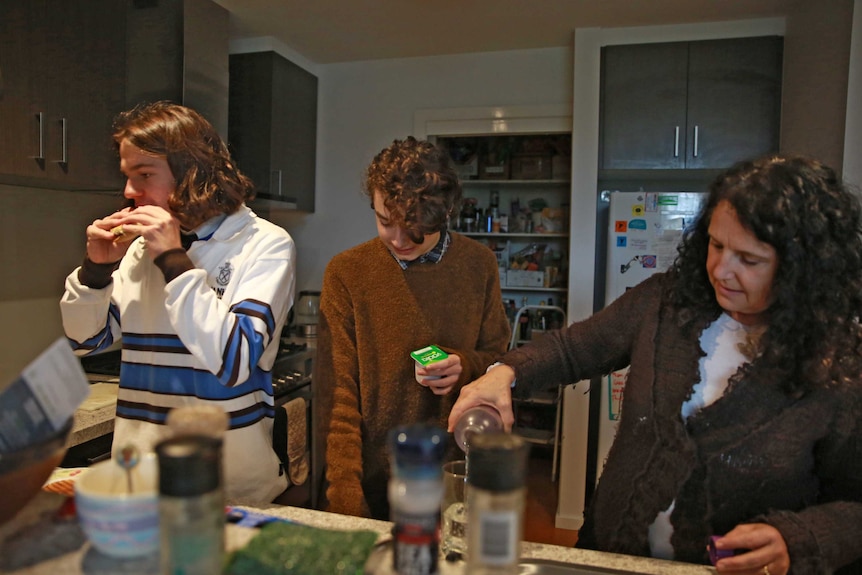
x: 121, y: 235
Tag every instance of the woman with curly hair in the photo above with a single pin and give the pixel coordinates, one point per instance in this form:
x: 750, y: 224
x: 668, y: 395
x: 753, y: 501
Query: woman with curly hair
x: 196, y: 287
x: 741, y: 417
x: 416, y: 284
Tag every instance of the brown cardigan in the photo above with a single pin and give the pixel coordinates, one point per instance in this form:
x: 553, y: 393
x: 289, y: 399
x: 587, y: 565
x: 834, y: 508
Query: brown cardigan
x: 372, y: 315
x: 755, y: 455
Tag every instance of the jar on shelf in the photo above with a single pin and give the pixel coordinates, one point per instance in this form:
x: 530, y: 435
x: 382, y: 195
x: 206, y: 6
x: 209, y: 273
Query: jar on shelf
x: 468, y: 216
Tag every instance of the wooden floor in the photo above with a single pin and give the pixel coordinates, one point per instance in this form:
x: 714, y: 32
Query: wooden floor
x: 541, y: 506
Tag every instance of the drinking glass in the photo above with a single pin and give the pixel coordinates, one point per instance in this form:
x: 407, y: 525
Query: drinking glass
x: 453, y: 538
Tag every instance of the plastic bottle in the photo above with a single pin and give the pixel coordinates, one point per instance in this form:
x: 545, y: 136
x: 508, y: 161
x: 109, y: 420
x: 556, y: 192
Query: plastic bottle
x: 476, y: 420
x: 415, y: 492
x: 495, y: 503
x: 191, y: 505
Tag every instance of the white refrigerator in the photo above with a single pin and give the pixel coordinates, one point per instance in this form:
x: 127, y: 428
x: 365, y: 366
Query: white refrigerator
x: 644, y: 231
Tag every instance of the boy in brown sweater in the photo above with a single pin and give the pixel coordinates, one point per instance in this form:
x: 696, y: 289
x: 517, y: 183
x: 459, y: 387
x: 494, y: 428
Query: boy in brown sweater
x: 414, y: 285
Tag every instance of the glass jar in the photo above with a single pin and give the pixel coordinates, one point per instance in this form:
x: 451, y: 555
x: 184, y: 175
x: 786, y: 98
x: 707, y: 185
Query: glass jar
x: 307, y: 312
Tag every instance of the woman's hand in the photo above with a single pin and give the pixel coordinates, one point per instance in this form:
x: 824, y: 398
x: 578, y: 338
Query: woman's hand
x: 446, y: 370
x: 494, y: 389
x: 767, y: 552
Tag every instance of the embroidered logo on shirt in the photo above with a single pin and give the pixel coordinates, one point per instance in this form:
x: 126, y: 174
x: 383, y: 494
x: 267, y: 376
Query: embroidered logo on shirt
x: 224, y: 274
x: 223, y: 278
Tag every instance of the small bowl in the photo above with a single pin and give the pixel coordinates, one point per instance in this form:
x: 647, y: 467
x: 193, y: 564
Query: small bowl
x: 119, y: 523
x: 23, y: 472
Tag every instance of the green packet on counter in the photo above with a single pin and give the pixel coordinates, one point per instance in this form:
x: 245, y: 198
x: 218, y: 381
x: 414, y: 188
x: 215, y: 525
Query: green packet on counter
x: 289, y: 548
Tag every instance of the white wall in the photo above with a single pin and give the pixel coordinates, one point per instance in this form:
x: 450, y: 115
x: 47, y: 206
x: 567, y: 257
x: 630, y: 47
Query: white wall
x: 363, y: 106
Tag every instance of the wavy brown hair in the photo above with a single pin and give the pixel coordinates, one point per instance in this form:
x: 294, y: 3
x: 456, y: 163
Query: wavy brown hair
x: 802, y: 209
x: 208, y: 181
x: 420, y: 187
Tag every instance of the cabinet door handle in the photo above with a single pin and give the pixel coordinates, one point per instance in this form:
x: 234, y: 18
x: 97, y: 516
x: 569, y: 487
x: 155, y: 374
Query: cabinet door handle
x: 40, y: 120
x: 275, y: 183
x: 695, y: 140
x: 63, y: 159
x: 676, y: 142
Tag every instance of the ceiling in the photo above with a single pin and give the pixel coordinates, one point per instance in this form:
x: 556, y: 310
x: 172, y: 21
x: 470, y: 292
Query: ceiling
x: 330, y: 31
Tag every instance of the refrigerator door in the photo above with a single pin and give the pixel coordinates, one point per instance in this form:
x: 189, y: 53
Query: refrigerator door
x: 645, y: 229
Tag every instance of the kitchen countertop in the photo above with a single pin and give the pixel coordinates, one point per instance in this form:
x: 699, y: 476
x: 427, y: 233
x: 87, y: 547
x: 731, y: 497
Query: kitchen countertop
x: 95, y: 416
x: 36, y: 542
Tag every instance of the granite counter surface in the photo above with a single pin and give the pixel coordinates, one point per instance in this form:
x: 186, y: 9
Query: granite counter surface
x: 37, y: 542
x: 96, y: 418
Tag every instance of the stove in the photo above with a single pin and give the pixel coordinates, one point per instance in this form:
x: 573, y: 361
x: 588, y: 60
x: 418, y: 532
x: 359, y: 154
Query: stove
x: 292, y: 370
x: 105, y: 363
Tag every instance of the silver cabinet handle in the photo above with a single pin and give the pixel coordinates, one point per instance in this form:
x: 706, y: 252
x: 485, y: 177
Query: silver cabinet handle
x: 275, y: 183
x: 63, y: 159
x: 40, y: 120
x: 695, y: 141
x: 676, y: 142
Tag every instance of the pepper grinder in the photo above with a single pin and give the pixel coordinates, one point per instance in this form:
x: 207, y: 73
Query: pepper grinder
x: 191, y: 505
x: 496, y: 493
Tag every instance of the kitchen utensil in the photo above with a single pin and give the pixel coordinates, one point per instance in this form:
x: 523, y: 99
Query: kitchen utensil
x: 128, y: 457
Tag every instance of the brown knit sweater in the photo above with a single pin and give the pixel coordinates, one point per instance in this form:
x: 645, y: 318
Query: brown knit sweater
x: 372, y: 315
x: 755, y: 455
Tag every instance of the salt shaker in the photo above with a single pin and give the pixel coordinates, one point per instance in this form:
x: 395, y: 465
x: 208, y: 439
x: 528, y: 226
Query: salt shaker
x: 191, y: 505
x: 495, y: 503
x: 415, y: 492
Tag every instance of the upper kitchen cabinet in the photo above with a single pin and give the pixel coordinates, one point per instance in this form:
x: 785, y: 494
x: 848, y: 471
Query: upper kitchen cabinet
x: 68, y: 68
x: 62, y: 66
x: 692, y: 105
x: 272, y: 127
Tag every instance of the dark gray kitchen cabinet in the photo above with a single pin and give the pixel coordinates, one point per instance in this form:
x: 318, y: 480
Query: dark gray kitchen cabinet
x: 693, y: 105
x: 272, y: 127
x: 62, y: 70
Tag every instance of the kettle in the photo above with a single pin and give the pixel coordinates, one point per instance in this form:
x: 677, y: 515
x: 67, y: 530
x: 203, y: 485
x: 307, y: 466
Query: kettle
x: 307, y: 311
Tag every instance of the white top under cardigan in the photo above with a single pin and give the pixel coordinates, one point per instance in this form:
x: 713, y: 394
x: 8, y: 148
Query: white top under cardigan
x: 721, y: 341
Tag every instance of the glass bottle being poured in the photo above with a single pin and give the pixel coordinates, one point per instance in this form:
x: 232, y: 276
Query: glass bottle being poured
x: 479, y: 419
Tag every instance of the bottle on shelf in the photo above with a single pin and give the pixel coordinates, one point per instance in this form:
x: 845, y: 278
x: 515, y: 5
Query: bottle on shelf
x: 476, y: 420
x: 468, y: 215
x: 540, y: 321
x: 555, y: 320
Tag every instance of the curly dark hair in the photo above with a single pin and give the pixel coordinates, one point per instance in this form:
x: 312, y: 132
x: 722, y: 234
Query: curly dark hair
x: 420, y: 186
x: 801, y: 208
x: 208, y: 181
